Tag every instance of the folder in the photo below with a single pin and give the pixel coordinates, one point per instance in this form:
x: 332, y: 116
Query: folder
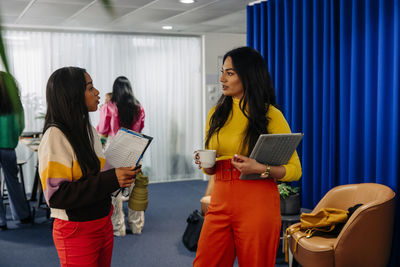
x: 274, y: 150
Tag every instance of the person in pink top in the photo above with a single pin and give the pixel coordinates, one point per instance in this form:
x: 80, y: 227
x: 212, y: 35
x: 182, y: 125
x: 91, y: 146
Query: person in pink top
x: 123, y: 110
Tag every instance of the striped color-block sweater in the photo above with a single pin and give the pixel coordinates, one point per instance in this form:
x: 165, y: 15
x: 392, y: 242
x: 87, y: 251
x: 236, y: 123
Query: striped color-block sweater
x: 69, y: 195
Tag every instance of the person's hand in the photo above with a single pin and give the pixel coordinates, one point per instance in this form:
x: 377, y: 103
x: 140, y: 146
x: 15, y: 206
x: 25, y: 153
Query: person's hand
x: 247, y: 165
x: 196, y: 159
x: 126, y: 175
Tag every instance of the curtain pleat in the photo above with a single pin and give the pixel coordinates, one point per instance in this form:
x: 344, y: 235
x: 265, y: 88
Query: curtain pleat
x: 325, y: 114
x: 344, y: 89
x: 395, y: 101
x: 370, y: 78
x: 249, y: 28
x: 297, y: 91
x: 263, y: 28
x: 385, y: 92
x: 333, y: 95
x: 271, y: 37
x: 257, y: 22
x: 335, y: 66
x: 307, y: 99
x: 278, y: 37
x: 287, y: 59
x: 355, y: 97
x: 316, y: 93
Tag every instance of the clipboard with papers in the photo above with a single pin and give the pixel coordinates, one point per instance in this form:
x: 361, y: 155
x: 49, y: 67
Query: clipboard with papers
x: 126, y: 148
x: 274, y: 150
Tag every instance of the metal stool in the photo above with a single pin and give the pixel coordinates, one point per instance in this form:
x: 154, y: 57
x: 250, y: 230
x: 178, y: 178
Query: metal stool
x: 20, y: 163
x: 3, y: 192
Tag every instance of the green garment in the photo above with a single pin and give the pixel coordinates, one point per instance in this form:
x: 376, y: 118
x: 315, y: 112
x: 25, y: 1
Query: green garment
x: 11, y: 127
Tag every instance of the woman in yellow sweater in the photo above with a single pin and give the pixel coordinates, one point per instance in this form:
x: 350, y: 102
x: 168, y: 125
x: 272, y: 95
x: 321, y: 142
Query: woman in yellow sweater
x: 243, y: 218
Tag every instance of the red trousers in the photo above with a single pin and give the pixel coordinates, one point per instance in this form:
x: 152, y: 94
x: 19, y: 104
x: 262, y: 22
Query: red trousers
x: 243, y: 220
x: 87, y: 244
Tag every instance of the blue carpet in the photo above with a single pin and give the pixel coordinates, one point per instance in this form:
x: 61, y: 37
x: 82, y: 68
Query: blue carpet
x: 160, y: 243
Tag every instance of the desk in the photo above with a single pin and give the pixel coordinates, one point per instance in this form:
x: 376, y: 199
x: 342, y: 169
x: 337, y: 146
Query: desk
x: 33, y: 144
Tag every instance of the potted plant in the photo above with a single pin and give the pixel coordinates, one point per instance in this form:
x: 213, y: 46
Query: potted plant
x: 290, y: 199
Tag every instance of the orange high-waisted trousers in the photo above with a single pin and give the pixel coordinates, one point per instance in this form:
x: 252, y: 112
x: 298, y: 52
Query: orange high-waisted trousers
x: 243, y: 220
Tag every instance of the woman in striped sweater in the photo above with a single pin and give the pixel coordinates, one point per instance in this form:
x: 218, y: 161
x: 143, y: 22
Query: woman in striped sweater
x: 70, y: 163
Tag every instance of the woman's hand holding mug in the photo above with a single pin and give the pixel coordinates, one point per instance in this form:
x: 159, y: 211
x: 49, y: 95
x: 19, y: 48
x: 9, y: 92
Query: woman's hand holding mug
x: 205, y: 159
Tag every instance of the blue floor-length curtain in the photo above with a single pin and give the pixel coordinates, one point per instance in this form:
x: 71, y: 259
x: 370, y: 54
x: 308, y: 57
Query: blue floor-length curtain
x: 336, y: 67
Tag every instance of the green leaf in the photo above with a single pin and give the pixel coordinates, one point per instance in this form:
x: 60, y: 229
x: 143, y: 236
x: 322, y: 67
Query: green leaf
x: 41, y: 116
x: 9, y: 81
x: 12, y: 90
x: 3, y: 51
x: 109, y: 7
x: 285, y: 190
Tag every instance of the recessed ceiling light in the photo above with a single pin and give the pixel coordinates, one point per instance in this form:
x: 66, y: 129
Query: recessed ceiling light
x: 167, y: 27
x: 187, y: 1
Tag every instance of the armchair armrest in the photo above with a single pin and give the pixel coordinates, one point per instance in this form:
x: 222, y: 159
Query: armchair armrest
x: 367, y: 235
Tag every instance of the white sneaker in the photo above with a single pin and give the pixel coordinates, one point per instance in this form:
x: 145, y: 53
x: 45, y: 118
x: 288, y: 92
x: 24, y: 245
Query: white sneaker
x: 118, y: 217
x: 135, y: 221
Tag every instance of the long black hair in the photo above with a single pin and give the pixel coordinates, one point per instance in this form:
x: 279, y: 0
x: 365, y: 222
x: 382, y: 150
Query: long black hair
x: 6, y: 104
x: 128, y: 105
x: 67, y: 110
x: 258, y: 95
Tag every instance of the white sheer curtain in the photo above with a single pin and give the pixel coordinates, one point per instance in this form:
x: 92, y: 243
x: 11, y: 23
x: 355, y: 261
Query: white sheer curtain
x: 166, y: 73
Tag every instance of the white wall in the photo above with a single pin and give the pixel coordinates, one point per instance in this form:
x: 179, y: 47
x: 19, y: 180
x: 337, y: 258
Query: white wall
x: 215, y: 47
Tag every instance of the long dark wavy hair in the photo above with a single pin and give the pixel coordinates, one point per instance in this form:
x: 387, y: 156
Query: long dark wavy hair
x: 6, y: 106
x: 67, y: 110
x: 258, y: 95
x: 128, y: 105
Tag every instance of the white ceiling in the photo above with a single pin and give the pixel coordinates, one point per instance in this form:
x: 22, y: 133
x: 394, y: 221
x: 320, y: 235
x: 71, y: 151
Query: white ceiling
x: 203, y: 16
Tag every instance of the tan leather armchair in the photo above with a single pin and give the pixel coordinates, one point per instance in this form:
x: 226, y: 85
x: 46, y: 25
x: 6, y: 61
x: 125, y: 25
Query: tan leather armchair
x: 366, y: 238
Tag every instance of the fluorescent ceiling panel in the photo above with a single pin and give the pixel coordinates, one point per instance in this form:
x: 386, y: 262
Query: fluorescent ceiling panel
x: 12, y: 8
x: 60, y: 10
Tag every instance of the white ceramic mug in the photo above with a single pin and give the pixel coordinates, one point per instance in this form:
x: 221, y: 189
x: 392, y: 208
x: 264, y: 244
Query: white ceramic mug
x: 206, y: 157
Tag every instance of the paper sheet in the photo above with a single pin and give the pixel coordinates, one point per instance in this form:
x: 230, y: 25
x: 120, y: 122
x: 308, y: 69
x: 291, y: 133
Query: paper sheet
x: 126, y: 148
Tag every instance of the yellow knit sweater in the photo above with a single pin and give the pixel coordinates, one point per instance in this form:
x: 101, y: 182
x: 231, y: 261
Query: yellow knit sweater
x: 229, y: 140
